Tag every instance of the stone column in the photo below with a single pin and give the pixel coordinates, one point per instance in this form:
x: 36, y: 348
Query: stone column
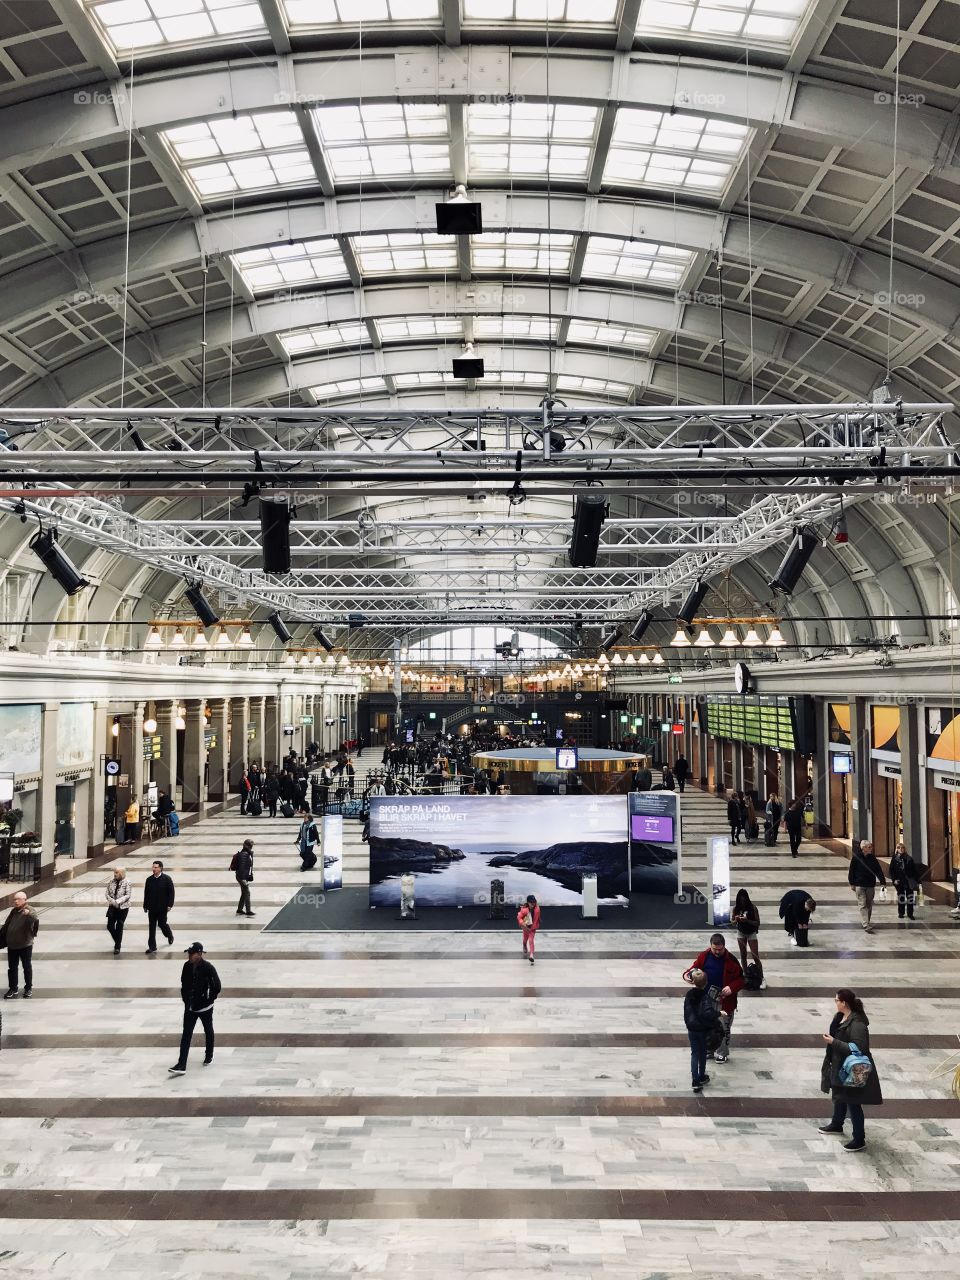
x: 47, y: 797
x: 194, y: 756
x: 239, y: 714
x: 217, y: 787
x: 165, y: 769
x: 860, y: 741
x: 81, y: 814
x: 258, y: 716
x: 98, y: 782
x: 912, y: 781
x: 271, y: 729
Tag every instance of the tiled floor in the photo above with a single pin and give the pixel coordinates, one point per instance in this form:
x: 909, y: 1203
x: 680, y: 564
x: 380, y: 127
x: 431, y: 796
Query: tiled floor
x: 392, y: 1104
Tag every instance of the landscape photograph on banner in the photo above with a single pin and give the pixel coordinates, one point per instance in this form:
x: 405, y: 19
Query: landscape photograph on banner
x: 455, y: 845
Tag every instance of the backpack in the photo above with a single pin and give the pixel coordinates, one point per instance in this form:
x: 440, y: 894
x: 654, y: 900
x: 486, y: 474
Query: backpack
x: 233, y: 861
x: 753, y: 975
x: 856, y: 1069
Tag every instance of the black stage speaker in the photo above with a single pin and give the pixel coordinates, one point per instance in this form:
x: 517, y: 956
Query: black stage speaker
x: 459, y: 218
x: 588, y: 518
x: 688, y: 610
x: 468, y: 367
x: 275, y: 535
x: 280, y: 627
x: 795, y: 561
x: 201, y: 607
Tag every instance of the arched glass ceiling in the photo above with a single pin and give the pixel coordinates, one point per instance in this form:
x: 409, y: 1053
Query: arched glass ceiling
x: 475, y: 646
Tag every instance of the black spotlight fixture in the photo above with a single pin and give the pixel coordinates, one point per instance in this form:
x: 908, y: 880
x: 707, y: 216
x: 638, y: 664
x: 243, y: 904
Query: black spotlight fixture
x: 638, y: 630
x: 588, y: 518
x: 279, y: 626
x: 795, y: 561
x: 608, y: 641
x: 459, y: 216
x: 322, y: 640
x: 275, y: 535
x: 201, y: 605
x: 688, y: 610
x: 59, y: 566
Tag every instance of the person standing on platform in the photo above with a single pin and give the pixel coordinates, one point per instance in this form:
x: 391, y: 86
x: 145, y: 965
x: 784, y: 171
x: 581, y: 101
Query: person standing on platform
x: 681, y: 770
x: 119, y: 893
x: 244, y: 792
x: 528, y: 918
x: 862, y: 876
x: 747, y: 919
x: 734, y: 819
x: 796, y: 908
x: 850, y: 1026
x: 306, y: 839
x: 700, y: 1016
x: 271, y: 793
x: 199, y: 988
x: 243, y: 868
x: 793, y: 821
x: 723, y: 972
x: 158, y: 898
x: 17, y: 934
x: 773, y: 813
x: 905, y: 878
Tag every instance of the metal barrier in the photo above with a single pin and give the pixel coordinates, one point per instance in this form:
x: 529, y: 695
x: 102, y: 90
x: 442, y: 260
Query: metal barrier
x: 19, y: 864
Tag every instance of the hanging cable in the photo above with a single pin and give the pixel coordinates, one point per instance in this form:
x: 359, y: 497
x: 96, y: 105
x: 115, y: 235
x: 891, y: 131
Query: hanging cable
x: 126, y: 244
x: 753, y: 358
x: 893, y: 191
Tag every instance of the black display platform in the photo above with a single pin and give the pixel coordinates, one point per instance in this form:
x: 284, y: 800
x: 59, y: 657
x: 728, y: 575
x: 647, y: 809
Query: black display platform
x: 347, y: 909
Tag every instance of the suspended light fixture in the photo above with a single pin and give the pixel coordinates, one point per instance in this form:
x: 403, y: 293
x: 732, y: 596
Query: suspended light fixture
x: 245, y: 639
x: 630, y: 660
x: 616, y: 661
x: 200, y: 640
x: 377, y: 671
x: 181, y: 720
x: 289, y: 660
x: 305, y: 660
x: 644, y: 660
x: 318, y: 659
x: 115, y: 729
x: 149, y: 726
x: 331, y: 661
x: 776, y: 640
x: 729, y: 639
x: 344, y: 661
x: 223, y: 640
x: 154, y: 640
x: 751, y: 640
x: 658, y: 659
x: 681, y: 640
x: 178, y: 641
x: 704, y: 640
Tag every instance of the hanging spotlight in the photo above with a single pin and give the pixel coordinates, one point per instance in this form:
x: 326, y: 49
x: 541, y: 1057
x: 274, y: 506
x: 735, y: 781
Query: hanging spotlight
x: 178, y: 642
x: 588, y: 517
x: 729, y: 639
x: 154, y: 639
x: 776, y: 640
x: 607, y: 643
x: 275, y: 535
x: 795, y: 561
x: 149, y: 726
x: 201, y: 606
x: 681, y: 640
x: 245, y: 639
x: 60, y: 567
x: 688, y: 610
x: 751, y: 640
x: 640, y: 626
x: 321, y: 639
x: 283, y: 635
x: 704, y: 640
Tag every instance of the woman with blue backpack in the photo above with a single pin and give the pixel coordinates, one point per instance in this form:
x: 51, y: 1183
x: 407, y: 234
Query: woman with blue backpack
x: 849, y: 1073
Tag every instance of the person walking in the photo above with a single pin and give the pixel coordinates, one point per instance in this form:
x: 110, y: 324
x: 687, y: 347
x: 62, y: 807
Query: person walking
x: 528, y: 918
x: 243, y: 867
x: 17, y: 934
x: 862, y: 876
x: 700, y: 1016
x: 723, y: 972
x: 199, y: 988
x: 158, y: 897
x: 118, y: 895
x: 848, y: 1028
x: 734, y: 819
x: 307, y: 837
x: 793, y: 821
x: 681, y: 770
x: 905, y: 878
x: 747, y: 919
x: 796, y: 908
x: 244, y: 792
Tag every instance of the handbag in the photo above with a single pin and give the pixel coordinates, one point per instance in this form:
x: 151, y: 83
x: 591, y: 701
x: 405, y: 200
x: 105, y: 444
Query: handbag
x: 856, y: 1069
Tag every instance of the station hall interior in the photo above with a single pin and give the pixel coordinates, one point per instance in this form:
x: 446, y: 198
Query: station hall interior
x: 481, y: 476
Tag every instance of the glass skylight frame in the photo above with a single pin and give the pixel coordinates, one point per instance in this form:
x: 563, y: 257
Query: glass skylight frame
x: 385, y: 141
x: 582, y: 384
x: 636, y: 262
x: 759, y: 22
x: 348, y: 388
x: 398, y: 253
x: 346, y: 335
x: 421, y: 379
x: 288, y: 267
x: 394, y: 330
x: 515, y: 328
x: 522, y: 252
x: 520, y: 140
x: 674, y: 151
x: 600, y: 333
x: 153, y: 26
x: 327, y: 14
x: 256, y: 151
x: 533, y: 13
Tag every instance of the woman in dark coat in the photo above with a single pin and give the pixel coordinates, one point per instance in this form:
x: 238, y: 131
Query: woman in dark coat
x: 849, y: 1026
x: 906, y: 878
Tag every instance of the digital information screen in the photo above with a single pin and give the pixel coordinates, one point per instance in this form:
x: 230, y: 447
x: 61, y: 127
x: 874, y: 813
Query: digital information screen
x: 651, y: 826
x: 840, y: 763
x: 760, y: 720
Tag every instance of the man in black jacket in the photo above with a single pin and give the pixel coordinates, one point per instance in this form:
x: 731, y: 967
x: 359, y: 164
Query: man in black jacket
x: 157, y: 901
x: 199, y: 988
x: 865, y: 871
x: 796, y: 908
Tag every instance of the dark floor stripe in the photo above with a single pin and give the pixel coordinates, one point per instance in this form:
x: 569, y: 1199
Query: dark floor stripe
x: 166, y: 1103
x: 441, y: 1040
x: 681, y: 956
x: 333, y: 992
x: 484, y: 1204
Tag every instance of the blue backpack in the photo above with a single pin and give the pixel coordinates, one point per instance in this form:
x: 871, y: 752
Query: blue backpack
x: 856, y: 1069
x: 173, y: 824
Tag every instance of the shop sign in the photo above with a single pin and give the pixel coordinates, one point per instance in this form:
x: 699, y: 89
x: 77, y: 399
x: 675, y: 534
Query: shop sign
x: 153, y: 747
x: 888, y: 770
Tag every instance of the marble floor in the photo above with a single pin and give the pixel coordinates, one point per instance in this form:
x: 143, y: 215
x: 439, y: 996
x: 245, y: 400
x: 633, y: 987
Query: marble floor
x: 387, y: 1104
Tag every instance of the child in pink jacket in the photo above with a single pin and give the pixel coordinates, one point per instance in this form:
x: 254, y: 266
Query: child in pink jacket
x: 528, y: 918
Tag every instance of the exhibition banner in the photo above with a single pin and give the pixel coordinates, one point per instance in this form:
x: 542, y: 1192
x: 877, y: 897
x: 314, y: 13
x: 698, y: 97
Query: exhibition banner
x: 332, y: 846
x: 455, y: 845
x: 655, y: 842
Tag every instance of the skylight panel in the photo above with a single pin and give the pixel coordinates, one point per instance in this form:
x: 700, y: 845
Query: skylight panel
x: 418, y: 328
x: 231, y: 155
x: 385, y: 140
x: 506, y: 139
x: 579, y: 12
x: 688, y: 152
x: 139, y: 25
x: 523, y: 251
x: 349, y: 387
x: 593, y: 386
x: 506, y: 328
x: 635, y: 261
x: 290, y: 265
x: 770, y: 22
x: 328, y: 13
x: 386, y: 254
x: 593, y: 333
x: 403, y: 381
x: 324, y: 337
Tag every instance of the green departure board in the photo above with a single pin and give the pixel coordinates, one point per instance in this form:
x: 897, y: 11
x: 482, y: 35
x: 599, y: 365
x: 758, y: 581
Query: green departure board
x: 761, y: 721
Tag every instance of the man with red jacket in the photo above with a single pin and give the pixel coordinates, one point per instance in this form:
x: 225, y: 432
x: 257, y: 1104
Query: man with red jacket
x: 723, y: 972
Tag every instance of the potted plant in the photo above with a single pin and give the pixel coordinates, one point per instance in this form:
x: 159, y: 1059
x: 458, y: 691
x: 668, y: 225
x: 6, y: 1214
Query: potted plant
x: 10, y: 819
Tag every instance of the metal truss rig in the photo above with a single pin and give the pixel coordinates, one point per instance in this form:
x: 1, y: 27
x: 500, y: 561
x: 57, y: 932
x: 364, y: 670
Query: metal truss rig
x: 814, y: 444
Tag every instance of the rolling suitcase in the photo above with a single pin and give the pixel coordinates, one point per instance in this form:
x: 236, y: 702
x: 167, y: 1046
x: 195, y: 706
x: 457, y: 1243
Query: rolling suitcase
x: 287, y: 809
x: 255, y: 808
